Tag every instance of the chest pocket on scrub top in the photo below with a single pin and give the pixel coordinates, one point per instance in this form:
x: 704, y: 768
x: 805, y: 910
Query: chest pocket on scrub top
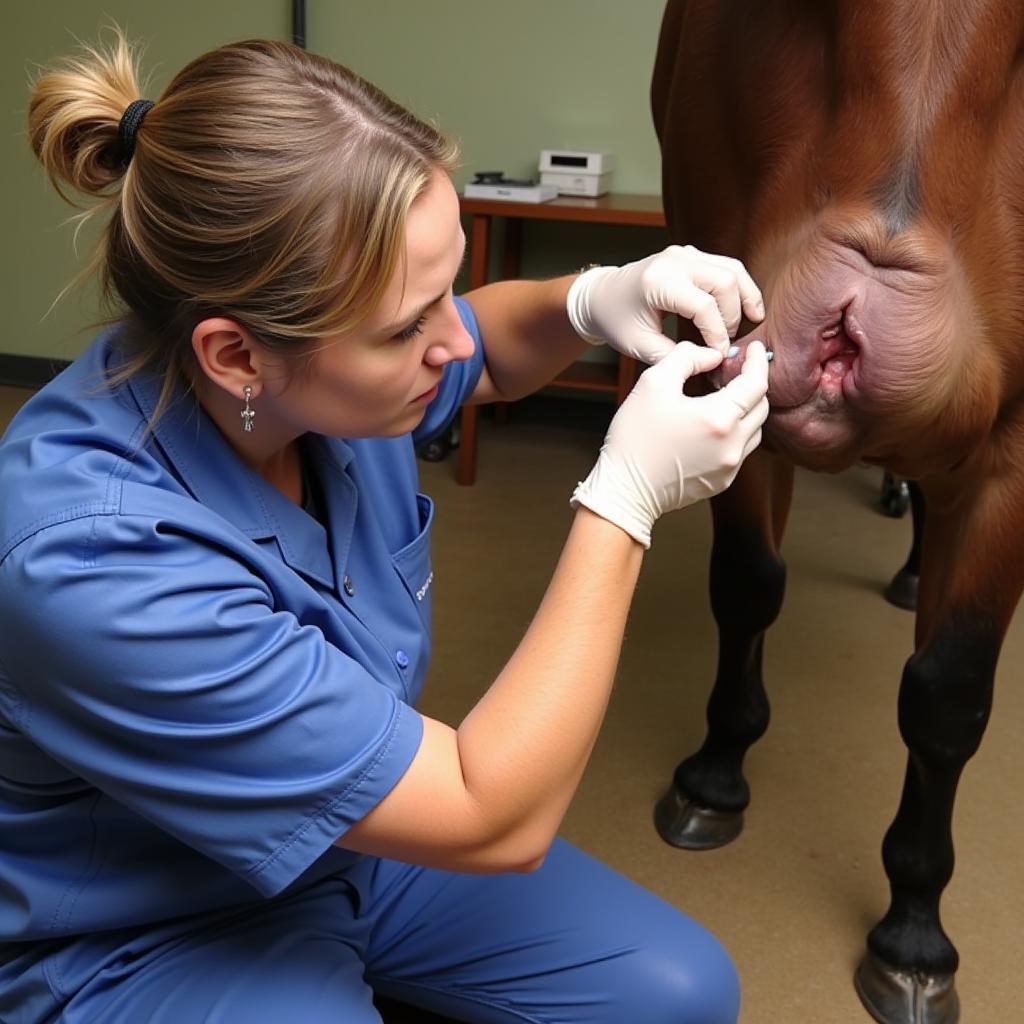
x: 413, y: 561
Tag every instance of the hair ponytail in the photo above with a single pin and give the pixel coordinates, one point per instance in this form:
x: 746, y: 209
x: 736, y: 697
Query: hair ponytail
x: 74, y: 116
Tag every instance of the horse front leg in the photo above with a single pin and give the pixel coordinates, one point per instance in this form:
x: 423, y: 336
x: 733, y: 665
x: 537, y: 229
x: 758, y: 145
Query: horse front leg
x: 703, y: 807
x: 972, y: 576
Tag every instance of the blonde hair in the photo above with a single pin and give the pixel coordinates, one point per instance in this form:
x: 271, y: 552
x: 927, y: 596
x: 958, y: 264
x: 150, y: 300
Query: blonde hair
x: 268, y: 185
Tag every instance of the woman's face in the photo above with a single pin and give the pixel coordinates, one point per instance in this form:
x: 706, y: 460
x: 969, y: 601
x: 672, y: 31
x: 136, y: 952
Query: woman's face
x: 377, y: 380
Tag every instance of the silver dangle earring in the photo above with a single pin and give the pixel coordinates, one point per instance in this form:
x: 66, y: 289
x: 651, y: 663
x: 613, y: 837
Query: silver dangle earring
x: 248, y: 412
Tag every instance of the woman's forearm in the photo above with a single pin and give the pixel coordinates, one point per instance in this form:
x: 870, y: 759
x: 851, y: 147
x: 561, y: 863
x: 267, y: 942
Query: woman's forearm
x: 490, y: 795
x: 525, y: 744
x: 527, y: 333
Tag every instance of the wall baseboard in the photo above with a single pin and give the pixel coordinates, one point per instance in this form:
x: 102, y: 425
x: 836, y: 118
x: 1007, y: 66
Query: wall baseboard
x: 29, y: 371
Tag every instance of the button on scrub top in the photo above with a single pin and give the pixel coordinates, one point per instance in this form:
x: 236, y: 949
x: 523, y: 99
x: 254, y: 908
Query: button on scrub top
x: 194, y: 703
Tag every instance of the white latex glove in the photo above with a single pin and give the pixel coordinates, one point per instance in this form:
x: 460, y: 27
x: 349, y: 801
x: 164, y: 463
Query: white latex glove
x: 624, y: 306
x: 665, y: 450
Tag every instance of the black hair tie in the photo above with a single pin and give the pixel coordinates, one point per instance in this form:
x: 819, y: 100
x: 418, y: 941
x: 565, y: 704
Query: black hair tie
x: 130, y: 120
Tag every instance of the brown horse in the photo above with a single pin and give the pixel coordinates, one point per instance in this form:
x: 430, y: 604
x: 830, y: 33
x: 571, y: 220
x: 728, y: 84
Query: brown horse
x: 865, y: 159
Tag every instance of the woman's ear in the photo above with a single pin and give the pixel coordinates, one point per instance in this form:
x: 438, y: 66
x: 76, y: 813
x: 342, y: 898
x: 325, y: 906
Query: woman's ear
x: 227, y: 355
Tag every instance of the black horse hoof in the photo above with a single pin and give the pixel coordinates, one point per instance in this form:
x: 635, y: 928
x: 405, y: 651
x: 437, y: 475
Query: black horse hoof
x: 684, y: 824
x: 902, y: 592
x: 895, y: 496
x: 893, y: 996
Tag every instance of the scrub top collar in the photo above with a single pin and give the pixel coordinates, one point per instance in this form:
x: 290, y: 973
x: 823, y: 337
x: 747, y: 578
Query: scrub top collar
x: 215, y: 475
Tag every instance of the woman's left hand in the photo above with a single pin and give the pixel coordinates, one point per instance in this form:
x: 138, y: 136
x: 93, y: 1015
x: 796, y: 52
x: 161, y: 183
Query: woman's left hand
x: 624, y: 306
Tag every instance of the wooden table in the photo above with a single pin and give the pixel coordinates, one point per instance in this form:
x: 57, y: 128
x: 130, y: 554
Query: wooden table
x: 615, y: 208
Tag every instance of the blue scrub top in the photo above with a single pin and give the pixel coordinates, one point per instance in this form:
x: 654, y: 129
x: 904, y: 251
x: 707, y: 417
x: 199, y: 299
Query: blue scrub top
x: 201, y: 686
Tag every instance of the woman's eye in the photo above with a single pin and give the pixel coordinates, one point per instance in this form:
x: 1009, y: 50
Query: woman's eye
x: 412, y: 330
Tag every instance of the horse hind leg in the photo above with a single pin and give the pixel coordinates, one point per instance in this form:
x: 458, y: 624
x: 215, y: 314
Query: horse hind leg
x: 907, y: 974
x: 703, y: 807
x: 972, y: 576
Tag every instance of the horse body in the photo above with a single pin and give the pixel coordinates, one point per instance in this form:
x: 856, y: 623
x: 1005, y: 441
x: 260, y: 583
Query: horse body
x: 865, y: 159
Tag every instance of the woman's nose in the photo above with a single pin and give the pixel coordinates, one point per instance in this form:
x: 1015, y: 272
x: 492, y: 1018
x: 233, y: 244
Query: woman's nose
x: 455, y: 342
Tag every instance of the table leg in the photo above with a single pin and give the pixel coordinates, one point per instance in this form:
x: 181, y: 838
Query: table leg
x: 513, y: 248
x: 479, y: 252
x: 479, y: 249
x: 509, y: 272
x: 465, y: 469
x: 627, y: 378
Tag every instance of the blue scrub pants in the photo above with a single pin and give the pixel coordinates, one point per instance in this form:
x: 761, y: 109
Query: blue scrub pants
x: 571, y: 942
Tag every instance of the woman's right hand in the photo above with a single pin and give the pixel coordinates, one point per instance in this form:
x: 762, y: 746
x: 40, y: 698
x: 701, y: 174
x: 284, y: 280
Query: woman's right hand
x: 665, y: 450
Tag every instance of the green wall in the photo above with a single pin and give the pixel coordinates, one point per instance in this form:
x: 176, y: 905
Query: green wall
x: 37, y: 259
x: 507, y: 80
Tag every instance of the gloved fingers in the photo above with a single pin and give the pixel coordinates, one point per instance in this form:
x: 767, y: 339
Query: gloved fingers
x: 751, y: 299
x: 752, y: 442
x: 744, y: 396
x: 723, y: 278
x: 684, y: 360
x: 755, y: 366
x: 721, y: 284
x: 683, y: 297
x: 757, y: 415
x: 747, y: 431
x: 648, y: 346
x: 749, y: 387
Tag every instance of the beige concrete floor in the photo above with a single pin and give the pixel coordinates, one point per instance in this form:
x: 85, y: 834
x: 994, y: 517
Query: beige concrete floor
x: 793, y: 898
